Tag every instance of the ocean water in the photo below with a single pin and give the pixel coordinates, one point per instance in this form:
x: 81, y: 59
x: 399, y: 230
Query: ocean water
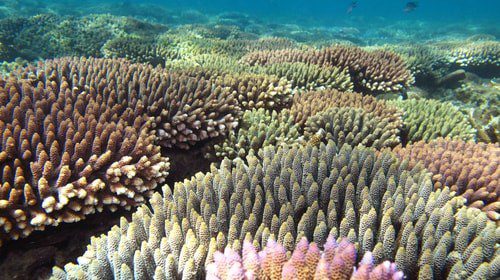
x: 152, y: 139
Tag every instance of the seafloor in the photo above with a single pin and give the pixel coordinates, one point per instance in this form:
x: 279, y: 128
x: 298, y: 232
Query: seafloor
x: 186, y: 143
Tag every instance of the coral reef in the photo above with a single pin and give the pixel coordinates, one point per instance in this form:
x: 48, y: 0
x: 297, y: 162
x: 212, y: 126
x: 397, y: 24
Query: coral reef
x: 353, y: 126
x: 470, y: 169
x: 427, y: 62
x: 68, y: 150
x: 371, y: 72
x: 376, y: 202
x: 185, y: 110
x: 138, y: 49
x: 482, y: 101
x: 50, y: 35
x: 310, y: 76
x: 427, y: 119
x: 482, y: 57
x: 308, y: 104
x: 258, y: 129
x: 336, y: 261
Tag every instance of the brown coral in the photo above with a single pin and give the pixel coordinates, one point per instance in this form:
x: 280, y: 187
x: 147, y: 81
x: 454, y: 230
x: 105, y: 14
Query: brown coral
x: 70, y: 148
x: 185, y: 109
x: 470, y: 169
x: 372, y: 72
x: 310, y: 103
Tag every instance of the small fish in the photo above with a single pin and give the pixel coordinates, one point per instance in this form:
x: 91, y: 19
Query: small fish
x: 410, y: 6
x: 354, y: 4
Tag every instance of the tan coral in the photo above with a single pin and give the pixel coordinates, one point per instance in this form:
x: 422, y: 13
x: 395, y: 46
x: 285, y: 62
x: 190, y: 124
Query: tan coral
x: 375, y: 201
x: 371, y: 72
x: 69, y: 150
x: 470, y: 169
x: 310, y: 103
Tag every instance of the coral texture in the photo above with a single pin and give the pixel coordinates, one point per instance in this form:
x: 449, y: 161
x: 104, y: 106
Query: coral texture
x: 138, y: 49
x: 470, y: 169
x: 185, y: 110
x: 310, y: 76
x: 352, y: 126
x: 426, y: 119
x: 371, y: 72
x: 310, y: 103
x: 373, y: 200
x: 69, y: 149
x: 477, y: 54
x: 307, y: 261
x: 258, y: 128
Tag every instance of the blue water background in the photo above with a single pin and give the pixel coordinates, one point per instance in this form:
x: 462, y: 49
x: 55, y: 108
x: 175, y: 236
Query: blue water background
x: 334, y: 11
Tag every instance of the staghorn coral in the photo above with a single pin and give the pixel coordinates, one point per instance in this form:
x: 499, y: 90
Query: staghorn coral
x: 311, y: 77
x: 380, y: 204
x: 309, y: 104
x: 138, y: 49
x: 371, y: 72
x: 426, y: 119
x: 354, y: 127
x: 472, y: 170
x: 69, y: 151
x: 306, y: 262
x: 483, y: 56
x: 258, y: 128
x: 185, y: 110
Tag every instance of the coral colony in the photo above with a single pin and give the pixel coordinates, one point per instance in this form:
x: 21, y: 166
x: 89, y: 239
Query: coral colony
x: 313, y: 169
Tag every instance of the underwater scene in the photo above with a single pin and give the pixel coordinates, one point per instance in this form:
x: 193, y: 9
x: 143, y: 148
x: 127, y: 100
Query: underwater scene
x: 267, y: 139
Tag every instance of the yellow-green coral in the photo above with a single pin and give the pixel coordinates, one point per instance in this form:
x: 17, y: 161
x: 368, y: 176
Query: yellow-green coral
x: 310, y: 76
x: 426, y: 119
x: 376, y: 202
x: 353, y: 126
x: 258, y: 129
x: 139, y: 49
x: 477, y: 54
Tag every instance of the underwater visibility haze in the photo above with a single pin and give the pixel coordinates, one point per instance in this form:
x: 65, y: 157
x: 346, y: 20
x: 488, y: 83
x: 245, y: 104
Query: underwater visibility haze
x: 320, y: 139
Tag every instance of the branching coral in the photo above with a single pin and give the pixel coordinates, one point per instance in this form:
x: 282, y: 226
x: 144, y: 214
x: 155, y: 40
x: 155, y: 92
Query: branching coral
x: 378, y: 203
x: 426, y: 119
x: 310, y: 76
x: 485, y: 54
x: 69, y: 150
x: 185, y: 109
x: 258, y: 129
x: 257, y: 90
x: 336, y: 261
x: 426, y: 62
x: 371, y: 72
x: 139, y: 49
x: 354, y: 127
x: 310, y: 103
x: 470, y: 169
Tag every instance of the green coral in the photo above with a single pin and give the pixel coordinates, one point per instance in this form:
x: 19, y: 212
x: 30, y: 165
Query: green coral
x: 353, y: 126
x: 310, y: 76
x: 375, y: 201
x: 426, y: 119
x: 139, y: 49
x: 258, y: 129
